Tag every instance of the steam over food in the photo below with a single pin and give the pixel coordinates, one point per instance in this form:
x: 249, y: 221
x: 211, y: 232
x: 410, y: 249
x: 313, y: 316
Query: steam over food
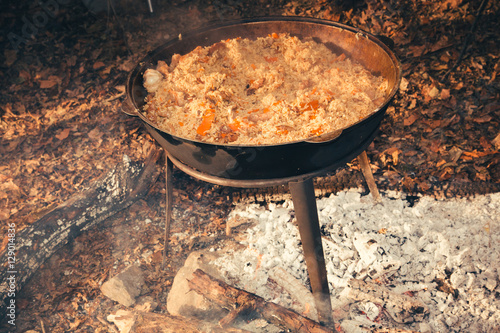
x: 271, y: 90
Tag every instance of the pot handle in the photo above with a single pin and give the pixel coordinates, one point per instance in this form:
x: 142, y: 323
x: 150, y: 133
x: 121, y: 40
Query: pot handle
x: 129, y: 108
x: 325, y: 137
x: 387, y: 41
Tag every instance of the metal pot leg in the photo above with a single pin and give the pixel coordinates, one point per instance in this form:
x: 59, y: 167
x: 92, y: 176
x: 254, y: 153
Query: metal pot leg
x: 306, y: 212
x: 168, y: 205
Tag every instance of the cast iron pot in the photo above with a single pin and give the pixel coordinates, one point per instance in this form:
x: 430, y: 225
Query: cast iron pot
x: 280, y: 161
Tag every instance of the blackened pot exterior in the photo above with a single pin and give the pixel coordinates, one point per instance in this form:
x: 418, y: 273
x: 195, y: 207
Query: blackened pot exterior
x: 272, y: 161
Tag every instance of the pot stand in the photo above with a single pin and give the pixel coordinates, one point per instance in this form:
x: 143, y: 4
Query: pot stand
x: 304, y: 202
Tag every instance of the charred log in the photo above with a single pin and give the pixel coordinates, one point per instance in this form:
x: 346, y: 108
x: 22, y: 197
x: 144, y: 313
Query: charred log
x: 146, y: 322
x: 113, y: 192
x: 238, y: 301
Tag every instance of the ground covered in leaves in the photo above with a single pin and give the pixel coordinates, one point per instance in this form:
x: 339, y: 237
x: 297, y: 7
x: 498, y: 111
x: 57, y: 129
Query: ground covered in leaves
x: 63, y: 71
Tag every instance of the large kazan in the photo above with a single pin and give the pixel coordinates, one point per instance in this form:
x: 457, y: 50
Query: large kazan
x: 234, y: 155
x: 37, y: 21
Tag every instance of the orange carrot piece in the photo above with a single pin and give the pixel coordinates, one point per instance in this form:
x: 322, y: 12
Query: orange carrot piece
x: 271, y: 59
x: 234, y: 126
x: 275, y: 35
x: 206, y: 122
x: 312, y: 105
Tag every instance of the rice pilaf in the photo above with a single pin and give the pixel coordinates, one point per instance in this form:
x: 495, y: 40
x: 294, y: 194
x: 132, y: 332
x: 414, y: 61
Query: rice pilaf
x: 271, y: 90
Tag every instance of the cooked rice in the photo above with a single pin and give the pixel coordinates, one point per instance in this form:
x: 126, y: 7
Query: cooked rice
x: 271, y: 90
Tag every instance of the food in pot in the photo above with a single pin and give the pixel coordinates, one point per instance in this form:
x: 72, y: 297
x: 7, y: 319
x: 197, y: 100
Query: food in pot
x: 271, y: 90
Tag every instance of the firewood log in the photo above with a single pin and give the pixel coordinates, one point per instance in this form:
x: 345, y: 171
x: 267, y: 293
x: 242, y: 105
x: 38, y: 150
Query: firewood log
x: 113, y: 192
x: 146, y: 322
x: 238, y: 301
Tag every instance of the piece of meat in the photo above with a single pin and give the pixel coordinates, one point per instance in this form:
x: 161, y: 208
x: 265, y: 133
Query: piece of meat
x: 152, y: 80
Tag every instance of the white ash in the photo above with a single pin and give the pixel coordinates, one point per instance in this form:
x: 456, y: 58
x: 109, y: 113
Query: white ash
x: 409, y: 249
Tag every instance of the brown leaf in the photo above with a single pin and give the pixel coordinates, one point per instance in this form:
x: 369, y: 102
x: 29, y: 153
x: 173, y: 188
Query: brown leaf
x: 470, y: 155
x: 417, y: 51
x: 438, y: 164
x: 484, y: 143
x: 413, y: 104
x: 434, y: 123
x: 46, y: 84
x: 10, y: 57
x: 445, y: 93
x: 435, y: 146
x: 95, y: 134
x: 98, y: 65
x: 433, y: 92
x: 63, y: 134
x: 411, y: 153
x: 410, y: 120
x: 424, y: 186
x: 394, y: 152
x: 496, y: 141
x: 482, y: 119
x: 459, y: 86
x: 455, y: 154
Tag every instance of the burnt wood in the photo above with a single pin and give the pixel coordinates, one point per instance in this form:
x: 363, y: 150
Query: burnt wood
x: 238, y: 301
x: 113, y: 192
x: 147, y: 322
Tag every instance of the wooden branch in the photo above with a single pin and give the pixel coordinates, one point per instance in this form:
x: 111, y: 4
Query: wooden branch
x: 401, y: 308
x: 232, y: 298
x: 146, y: 322
x: 115, y: 191
x: 154, y: 322
x: 364, y: 163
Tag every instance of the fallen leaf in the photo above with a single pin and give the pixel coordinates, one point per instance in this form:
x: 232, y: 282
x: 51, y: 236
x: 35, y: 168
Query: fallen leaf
x: 98, y: 65
x: 445, y: 93
x: 413, y: 104
x: 95, y: 134
x: 424, y: 186
x: 403, y: 86
x: 483, y: 119
x: 455, y: 154
x: 417, y: 51
x: 434, y: 123
x: 435, y: 146
x: 470, y: 155
x: 411, y: 153
x: 9, y: 186
x: 433, y: 92
x: 484, y: 143
x: 459, y: 86
x: 46, y: 84
x: 63, y: 134
x: 394, y: 152
x: 438, y: 164
x: 410, y: 120
x: 10, y: 57
x: 496, y: 142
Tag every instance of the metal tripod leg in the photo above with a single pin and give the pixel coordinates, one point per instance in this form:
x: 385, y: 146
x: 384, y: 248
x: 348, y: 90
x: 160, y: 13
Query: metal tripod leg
x: 306, y: 212
x: 168, y: 206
